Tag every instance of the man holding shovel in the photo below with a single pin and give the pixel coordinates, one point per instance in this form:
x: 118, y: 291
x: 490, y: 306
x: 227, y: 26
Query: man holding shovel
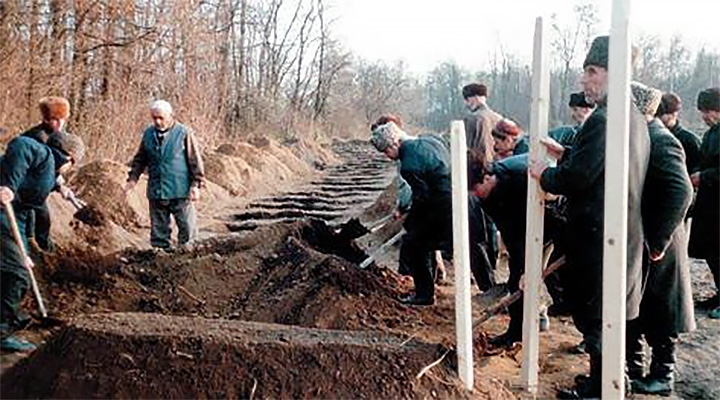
x: 172, y: 158
x: 28, y: 172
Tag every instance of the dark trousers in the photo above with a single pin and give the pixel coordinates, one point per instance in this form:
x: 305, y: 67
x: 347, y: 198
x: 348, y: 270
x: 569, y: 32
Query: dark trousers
x: 14, y: 280
x: 715, y: 269
x: 482, y: 250
x: 417, y: 254
x: 182, y: 210
x: 38, y: 227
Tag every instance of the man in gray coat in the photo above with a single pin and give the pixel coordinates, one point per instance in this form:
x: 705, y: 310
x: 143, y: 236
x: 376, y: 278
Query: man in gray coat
x: 667, y: 305
x: 480, y: 123
x: 170, y: 155
x: 580, y: 176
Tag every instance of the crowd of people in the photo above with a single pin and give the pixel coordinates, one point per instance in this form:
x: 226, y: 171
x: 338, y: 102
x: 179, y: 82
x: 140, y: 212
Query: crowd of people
x: 673, y: 187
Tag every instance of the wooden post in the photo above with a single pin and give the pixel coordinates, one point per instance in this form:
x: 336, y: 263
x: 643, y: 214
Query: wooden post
x: 616, y: 204
x: 535, y: 208
x: 461, y: 254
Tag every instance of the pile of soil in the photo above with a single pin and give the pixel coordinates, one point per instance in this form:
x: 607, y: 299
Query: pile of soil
x: 153, y: 356
x: 297, y: 273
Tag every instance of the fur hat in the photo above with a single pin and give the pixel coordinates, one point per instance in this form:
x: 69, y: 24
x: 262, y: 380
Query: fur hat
x: 647, y: 99
x: 669, y: 104
x: 579, y: 100
x: 709, y: 99
x: 68, y: 144
x: 54, y: 107
x: 383, y: 136
x: 474, y: 89
x: 598, y: 53
x: 506, y: 127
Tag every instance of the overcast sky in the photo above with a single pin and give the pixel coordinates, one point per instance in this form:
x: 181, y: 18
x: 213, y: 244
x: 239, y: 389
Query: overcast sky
x: 424, y: 33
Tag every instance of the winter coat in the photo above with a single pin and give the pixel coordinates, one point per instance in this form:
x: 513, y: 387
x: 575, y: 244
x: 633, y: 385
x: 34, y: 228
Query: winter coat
x: 705, y: 230
x: 580, y: 176
x: 28, y: 169
x: 425, y: 165
x: 478, y: 132
x: 173, y: 166
x: 691, y: 145
x: 667, y: 304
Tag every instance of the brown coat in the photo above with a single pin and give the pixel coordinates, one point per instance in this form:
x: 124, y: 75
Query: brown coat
x: 478, y: 129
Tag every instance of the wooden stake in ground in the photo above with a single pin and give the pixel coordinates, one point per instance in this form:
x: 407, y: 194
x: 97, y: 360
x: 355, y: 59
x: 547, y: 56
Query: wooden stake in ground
x: 535, y: 209
x: 461, y: 253
x: 616, y: 204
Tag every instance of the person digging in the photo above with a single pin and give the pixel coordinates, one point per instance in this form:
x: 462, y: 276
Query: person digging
x: 28, y: 173
x: 425, y: 165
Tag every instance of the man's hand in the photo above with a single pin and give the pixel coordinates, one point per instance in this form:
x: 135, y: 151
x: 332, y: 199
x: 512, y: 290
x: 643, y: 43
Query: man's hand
x: 29, y: 263
x: 537, y: 168
x: 6, y: 195
x: 397, y: 215
x: 554, y: 149
x: 129, y: 185
x: 695, y: 179
x: 194, y: 193
x: 656, y: 256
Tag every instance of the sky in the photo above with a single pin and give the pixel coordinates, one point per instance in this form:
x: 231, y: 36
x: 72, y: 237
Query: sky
x: 424, y: 33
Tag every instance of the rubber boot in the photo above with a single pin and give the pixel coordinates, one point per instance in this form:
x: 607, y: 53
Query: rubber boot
x: 635, y: 362
x: 661, y: 380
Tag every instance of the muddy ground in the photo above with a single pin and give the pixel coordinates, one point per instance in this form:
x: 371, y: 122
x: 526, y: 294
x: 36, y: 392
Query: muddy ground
x: 279, y: 309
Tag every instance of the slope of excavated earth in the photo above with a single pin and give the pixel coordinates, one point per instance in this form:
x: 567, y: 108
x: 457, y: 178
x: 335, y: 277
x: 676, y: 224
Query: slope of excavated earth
x: 154, y: 356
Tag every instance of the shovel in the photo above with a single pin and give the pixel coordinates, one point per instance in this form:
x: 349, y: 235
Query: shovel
x: 85, y: 214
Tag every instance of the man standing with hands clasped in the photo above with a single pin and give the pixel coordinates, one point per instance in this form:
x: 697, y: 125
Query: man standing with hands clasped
x: 170, y: 155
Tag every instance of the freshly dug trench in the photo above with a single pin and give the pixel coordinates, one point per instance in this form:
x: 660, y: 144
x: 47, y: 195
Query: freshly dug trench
x: 127, y: 355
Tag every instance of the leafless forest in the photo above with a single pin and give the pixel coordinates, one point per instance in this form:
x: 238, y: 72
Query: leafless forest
x: 237, y: 68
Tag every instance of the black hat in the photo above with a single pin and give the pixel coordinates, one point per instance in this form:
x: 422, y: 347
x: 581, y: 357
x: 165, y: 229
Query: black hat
x: 598, y: 53
x: 474, y: 89
x: 579, y: 100
x: 709, y: 100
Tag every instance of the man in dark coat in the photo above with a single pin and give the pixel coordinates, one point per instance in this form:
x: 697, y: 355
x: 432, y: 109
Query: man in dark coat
x: 425, y: 165
x: 28, y: 172
x: 509, y: 140
x: 580, y: 110
x: 705, y: 230
x: 667, y: 307
x: 580, y: 176
x: 669, y: 114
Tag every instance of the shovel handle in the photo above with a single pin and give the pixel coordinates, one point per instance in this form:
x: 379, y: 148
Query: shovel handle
x: 19, y: 242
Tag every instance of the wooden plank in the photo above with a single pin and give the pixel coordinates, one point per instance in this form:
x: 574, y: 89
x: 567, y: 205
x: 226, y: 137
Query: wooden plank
x: 461, y: 254
x: 535, y: 208
x: 616, y: 204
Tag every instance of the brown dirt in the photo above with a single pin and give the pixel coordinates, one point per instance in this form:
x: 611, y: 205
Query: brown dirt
x: 154, y: 356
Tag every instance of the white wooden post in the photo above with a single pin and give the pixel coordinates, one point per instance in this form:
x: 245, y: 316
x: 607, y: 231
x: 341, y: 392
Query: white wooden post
x: 616, y: 203
x: 461, y: 254
x: 535, y: 208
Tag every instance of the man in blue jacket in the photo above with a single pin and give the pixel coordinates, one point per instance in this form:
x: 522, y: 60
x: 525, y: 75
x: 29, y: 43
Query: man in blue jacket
x: 170, y: 155
x: 28, y: 172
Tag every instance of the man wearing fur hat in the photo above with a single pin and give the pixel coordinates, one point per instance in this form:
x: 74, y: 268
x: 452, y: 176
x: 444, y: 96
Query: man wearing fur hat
x: 55, y: 112
x: 425, y: 165
x: 169, y: 153
x: 28, y: 172
x: 667, y: 306
x: 480, y: 123
x: 669, y: 114
x: 705, y: 230
x: 580, y: 177
x: 580, y: 110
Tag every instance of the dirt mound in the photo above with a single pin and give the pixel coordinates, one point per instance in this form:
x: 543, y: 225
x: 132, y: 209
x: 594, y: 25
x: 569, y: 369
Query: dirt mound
x: 100, y: 184
x: 299, y: 274
x: 154, y: 356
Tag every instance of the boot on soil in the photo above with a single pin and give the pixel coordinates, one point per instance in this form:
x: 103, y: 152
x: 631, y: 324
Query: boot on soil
x: 658, y: 386
x: 505, y: 340
x: 586, y: 386
x: 14, y: 344
x: 414, y: 300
